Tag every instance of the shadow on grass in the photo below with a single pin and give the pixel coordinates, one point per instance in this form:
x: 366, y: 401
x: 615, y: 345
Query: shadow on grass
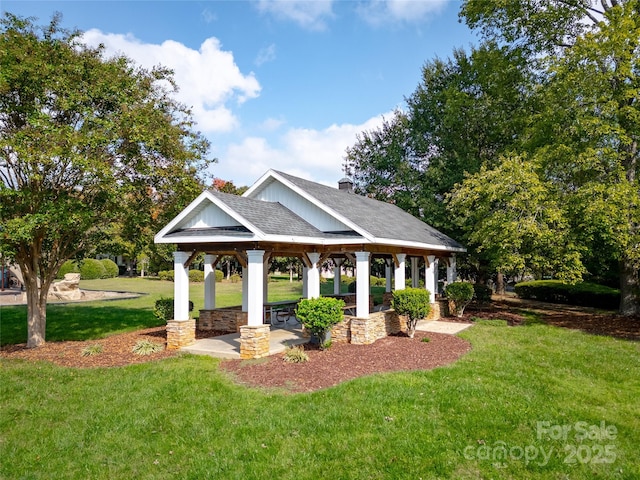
x: 76, y: 322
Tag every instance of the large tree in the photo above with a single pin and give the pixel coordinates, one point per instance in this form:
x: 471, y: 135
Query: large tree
x: 86, y: 142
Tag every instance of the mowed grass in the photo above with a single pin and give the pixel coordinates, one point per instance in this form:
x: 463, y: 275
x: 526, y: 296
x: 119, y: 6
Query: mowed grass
x: 496, y: 413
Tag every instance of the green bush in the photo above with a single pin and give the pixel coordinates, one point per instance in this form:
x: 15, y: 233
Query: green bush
x: 163, y: 309
x: 235, y: 278
x: 295, y: 355
x: 67, y: 267
x: 482, y: 293
x: 318, y: 315
x: 460, y: 294
x: 196, y: 276
x: 408, y: 282
x: 92, y: 269
x: 219, y: 275
x: 110, y: 267
x: 414, y: 304
x: 583, y: 294
x: 352, y: 287
x: 147, y: 347
x: 166, y: 275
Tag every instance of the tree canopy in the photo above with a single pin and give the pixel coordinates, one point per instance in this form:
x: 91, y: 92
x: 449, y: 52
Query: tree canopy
x: 90, y: 146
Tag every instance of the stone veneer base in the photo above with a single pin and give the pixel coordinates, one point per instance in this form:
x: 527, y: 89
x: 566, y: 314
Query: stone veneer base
x: 180, y: 333
x: 254, y: 341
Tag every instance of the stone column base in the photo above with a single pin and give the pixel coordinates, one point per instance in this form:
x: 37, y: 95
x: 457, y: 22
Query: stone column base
x: 254, y: 341
x: 180, y: 333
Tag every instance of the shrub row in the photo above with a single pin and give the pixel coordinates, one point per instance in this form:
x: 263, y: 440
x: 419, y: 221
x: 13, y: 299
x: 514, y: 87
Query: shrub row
x: 90, y: 269
x: 583, y: 294
x: 195, y: 276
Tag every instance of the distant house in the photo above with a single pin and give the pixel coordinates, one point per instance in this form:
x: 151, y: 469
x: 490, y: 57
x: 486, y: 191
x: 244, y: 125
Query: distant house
x: 283, y: 215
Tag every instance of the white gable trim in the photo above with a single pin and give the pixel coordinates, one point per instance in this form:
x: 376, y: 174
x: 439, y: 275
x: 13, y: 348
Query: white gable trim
x: 271, y: 174
x: 203, y: 197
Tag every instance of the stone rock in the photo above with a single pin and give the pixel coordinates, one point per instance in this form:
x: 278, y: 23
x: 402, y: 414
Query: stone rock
x: 67, y: 289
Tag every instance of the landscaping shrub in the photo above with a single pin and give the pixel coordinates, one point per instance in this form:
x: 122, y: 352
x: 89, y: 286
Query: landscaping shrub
x: 147, y: 347
x: 235, y: 278
x: 295, y: 355
x: 352, y: 287
x: 482, y: 293
x: 219, y: 275
x: 92, y: 350
x: 166, y: 275
x: 460, y: 294
x: 414, y: 304
x: 583, y: 294
x: 163, y: 309
x: 196, y: 276
x: 408, y: 282
x: 92, y: 269
x: 67, y: 267
x: 318, y: 315
x: 110, y: 267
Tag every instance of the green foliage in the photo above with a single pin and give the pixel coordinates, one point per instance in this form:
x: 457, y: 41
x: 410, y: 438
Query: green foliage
x: 414, y: 304
x: 583, y: 294
x: 425, y: 340
x: 166, y: 275
x: 92, y: 269
x: 482, y: 293
x: 163, y: 309
x: 110, y: 268
x: 196, y: 276
x: 147, y: 347
x: 67, y: 267
x: 295, y: 354
x: 219, y: 275
x: 92, y: 350
x: 490, y: 322
x: 461, y: 294
x: 352, y: 286
x: 235, y: 278
x: 318, y: 315
x: 93, y: 146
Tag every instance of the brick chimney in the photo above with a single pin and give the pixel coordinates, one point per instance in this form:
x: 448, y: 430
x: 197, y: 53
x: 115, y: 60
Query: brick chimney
x: 345, y: 184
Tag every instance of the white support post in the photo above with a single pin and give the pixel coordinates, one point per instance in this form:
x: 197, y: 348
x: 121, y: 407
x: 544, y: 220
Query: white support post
x: 313, y: 276
x: 387, y: 274
x: 209, y: 282
x: 399, y: 273
x: 180, y: 286
x: 255, y: 299
x: 337, y: 275
x: 415, y: 275
x: 245, y: 289
x: 305, y: 282
x: 452, y: 274
x: 429, y: 277
x: 362, y: 284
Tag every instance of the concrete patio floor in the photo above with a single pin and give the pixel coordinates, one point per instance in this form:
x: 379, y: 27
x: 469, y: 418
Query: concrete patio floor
x: 438, y: 326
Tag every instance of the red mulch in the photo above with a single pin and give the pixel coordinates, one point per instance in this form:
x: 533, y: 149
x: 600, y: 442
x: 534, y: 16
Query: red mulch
x: 342, y: 361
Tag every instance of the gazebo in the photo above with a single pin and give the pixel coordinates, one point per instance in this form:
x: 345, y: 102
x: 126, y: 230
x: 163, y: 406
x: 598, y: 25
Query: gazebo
x: 283, y: 215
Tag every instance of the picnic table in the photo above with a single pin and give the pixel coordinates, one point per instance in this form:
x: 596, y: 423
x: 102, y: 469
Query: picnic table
x: 279, y: 313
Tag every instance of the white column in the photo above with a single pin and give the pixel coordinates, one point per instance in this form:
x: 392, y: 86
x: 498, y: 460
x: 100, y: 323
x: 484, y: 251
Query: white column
x: 255, y: 299
x: 415, y: 275
x: 337, y: 275
x: 387, y: 273
x: 209, y: 282
x: 452, y: 274
x: 399, y: 273
x: 362, y: 284
x: 429, y: 277
x: 180, y: 286
x: 305, y: 282
x: 313, y: 276
x: 245, y: 289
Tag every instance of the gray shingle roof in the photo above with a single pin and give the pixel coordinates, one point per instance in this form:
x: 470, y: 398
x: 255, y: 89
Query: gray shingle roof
x: 380, y: 219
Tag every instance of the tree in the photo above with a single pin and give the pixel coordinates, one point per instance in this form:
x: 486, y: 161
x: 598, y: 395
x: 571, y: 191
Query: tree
x: 86, y: 142
x: 414, y: 304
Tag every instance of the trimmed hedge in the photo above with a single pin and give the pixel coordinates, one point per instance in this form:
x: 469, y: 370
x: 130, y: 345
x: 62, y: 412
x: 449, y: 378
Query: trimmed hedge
x: 481, y: 293
x: 67, y: 267
x: 110, y: 267
x: 583, y: 294
x: 196, y: 276
x: 92, y: 269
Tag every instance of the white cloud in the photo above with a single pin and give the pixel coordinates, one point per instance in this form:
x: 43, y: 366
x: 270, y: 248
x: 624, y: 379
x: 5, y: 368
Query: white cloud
x: 316, y: 155
x: 380, y: 12
x: 265, y: 55
x: 208, y: 78
x: 311, y: 15
x: 272, y: 124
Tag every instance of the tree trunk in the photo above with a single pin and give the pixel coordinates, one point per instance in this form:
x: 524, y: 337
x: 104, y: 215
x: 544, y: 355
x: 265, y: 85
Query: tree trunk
x: 500, y: 290
x: 629, y: 289
x: 36, y: 311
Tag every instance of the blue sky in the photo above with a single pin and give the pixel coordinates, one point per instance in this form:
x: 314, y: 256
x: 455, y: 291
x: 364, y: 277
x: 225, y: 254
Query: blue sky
x: 275, y: 84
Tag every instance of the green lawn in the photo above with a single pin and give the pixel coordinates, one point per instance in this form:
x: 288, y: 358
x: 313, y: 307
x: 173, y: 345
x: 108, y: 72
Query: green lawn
x: 500, y: 412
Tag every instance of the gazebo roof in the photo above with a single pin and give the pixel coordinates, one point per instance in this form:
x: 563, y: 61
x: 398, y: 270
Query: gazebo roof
x: 283, y: 208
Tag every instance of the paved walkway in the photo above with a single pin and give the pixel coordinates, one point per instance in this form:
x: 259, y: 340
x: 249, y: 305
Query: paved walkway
x: 228, y: 346
x: 438, y: 326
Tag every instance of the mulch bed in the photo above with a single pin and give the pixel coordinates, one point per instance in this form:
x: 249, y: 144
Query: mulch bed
x: 341, y: 362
